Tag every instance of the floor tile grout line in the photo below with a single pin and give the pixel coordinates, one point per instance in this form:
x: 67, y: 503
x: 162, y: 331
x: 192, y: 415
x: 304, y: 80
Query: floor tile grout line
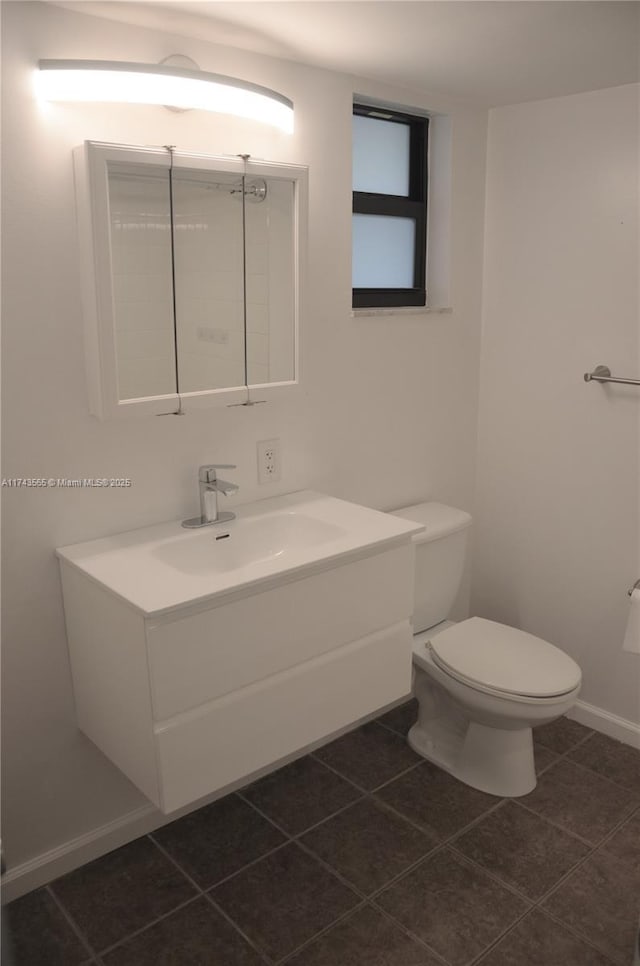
x: 205, y: 893
x: 84, y: 940
x: 304, y: 848
x: 582, y: 937
x: 174, y: 862
x: 366, y: 896
x: 292, y: 840
x: 413, y: 767
x: 319, y: 761
x: 408, y: 932
x: 592, y: 851
x: 509, y: 885
x: 295, y: 840
x: 616, y: 829
x: 200, y: 892
x: 436, y: 848
x: 562, y: 881
x: 561, y: 754
x: 321, y: 932
x: 537, y: 903
x: 604, y: 778
x: 148, y: 925
x: 490, y: 875
x: 231, y: 875
x: 314, y: 755
x: 293, y: 836
x: 372, y: 796
x: 563, y: 828
x: 565, y: 756
x: 334, y: 872
x: 368, y: 791
x: 480, y: 957
x: 454, y: 835
x: 498, y: 939
x: 264, y: 956
x: 554, y: 824
x: 394, y: 731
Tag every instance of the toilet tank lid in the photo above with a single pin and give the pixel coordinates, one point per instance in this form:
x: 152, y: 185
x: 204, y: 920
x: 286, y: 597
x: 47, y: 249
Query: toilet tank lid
x: 438, y: 520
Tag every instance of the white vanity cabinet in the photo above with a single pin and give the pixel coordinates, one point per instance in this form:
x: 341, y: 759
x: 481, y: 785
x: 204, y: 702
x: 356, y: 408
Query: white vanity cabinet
x: 193, y: 698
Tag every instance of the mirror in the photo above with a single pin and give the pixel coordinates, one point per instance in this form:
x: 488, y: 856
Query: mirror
x: 193, y: 291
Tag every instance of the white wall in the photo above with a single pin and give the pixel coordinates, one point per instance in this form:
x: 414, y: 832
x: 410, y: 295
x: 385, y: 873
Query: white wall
x: 387, y: 417
x: 556, y: 515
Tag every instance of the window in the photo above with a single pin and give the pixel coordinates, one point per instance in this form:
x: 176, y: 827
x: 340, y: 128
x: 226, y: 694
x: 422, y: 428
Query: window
x: 389, y: 230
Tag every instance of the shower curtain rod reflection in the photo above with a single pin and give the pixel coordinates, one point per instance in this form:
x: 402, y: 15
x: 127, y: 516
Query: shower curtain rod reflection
x: 255, y: 190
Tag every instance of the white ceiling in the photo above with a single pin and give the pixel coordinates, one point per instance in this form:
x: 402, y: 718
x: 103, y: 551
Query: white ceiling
x: 487, y: 52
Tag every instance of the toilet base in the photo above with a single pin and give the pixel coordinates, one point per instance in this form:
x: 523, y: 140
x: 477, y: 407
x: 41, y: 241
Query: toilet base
x: 492, y: 760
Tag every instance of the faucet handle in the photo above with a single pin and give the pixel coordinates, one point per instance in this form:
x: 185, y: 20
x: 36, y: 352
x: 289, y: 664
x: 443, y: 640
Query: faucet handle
x: 207, y: 473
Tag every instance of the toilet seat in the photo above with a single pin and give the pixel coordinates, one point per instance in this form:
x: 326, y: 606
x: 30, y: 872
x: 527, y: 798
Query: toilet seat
x: 501, y: 660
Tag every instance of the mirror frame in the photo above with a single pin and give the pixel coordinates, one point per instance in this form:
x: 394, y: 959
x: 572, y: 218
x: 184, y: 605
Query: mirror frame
x: 91, y: 161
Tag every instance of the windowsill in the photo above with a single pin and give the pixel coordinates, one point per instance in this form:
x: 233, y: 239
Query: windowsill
x: 403, y: 310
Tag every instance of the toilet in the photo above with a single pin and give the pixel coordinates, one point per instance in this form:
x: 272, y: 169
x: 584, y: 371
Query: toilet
x: 481, y: 686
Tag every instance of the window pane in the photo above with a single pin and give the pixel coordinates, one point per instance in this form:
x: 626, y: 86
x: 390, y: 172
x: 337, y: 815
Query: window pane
x: 380, y: 156
x: 383, y: 251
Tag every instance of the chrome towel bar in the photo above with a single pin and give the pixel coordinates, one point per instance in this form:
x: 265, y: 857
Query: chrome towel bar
x: 603, y: 374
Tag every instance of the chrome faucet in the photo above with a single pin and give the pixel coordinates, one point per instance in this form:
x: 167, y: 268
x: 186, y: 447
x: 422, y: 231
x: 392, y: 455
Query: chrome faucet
x: 210, y: 486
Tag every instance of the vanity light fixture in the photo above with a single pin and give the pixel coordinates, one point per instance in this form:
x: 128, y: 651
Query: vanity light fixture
x: 131, y: 83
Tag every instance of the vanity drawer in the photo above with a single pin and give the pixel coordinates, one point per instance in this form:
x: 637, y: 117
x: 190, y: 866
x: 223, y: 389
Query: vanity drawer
x: 211, y: 747
x: 201, y: 657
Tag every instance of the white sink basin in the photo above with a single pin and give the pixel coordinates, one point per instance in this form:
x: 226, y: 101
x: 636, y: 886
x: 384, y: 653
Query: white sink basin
x: 159, y: 569
x: 246, y: 541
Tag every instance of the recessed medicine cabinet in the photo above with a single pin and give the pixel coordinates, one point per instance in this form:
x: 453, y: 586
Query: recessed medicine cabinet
x: 191, y: 270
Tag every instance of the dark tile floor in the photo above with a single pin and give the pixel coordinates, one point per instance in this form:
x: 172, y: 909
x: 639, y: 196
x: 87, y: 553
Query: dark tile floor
x: 363, y: 854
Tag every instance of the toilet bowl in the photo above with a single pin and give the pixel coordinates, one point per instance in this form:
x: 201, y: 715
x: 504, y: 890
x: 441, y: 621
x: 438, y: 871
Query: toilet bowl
x: 481, y: 686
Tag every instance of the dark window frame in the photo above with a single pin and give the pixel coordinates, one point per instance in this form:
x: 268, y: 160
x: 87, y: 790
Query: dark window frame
x: 414, y: 206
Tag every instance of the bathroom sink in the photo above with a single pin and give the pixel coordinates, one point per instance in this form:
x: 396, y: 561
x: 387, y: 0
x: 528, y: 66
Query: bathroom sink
x: 245, y: 542
x: 161, y: 568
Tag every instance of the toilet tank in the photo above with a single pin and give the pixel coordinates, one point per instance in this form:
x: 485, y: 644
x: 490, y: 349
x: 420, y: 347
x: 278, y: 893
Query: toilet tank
x: 440, y: 556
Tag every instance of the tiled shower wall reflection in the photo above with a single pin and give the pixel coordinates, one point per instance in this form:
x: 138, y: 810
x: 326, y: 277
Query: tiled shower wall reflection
x: 141, y: 262
x: 209, y: 287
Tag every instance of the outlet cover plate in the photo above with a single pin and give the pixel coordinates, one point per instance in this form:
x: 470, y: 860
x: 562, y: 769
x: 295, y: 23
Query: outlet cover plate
x: 268, y: 460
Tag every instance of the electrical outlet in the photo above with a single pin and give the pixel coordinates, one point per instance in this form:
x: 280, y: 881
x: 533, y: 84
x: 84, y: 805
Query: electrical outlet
x: 268, y: 461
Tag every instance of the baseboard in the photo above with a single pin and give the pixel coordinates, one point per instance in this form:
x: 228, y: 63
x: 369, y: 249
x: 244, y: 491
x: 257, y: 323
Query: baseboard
x: 64, y: 858
x: 607, y: 723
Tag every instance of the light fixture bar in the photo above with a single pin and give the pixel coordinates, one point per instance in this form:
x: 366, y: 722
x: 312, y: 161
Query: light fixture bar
x: 131, y: 83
